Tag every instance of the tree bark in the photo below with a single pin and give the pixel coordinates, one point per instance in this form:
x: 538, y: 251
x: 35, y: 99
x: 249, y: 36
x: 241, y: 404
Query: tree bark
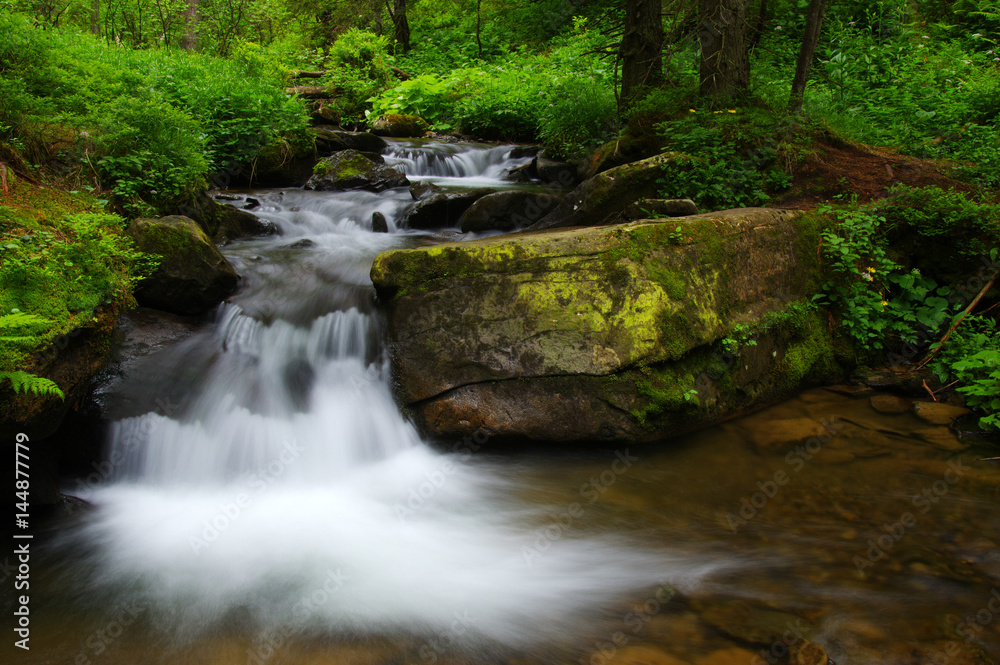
x: 641, y: 49
x: 95, y: 17
x: 810, y: 40
x: 725, y: 58
x: 402, y: 26
x: 190, y: 39
x: 479, y: 22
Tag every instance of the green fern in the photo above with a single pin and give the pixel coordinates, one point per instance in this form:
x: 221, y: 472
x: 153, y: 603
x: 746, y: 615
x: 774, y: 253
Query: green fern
x: 25, y: 383
x: 22, y: 381
x: 19, y: 320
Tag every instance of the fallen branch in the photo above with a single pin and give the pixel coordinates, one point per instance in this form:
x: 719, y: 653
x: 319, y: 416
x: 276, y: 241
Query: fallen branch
x: 958, y: 321
x: 928, y: 389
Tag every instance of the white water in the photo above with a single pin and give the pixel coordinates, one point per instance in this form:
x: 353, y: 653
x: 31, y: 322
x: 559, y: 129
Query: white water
x: 292, y: 491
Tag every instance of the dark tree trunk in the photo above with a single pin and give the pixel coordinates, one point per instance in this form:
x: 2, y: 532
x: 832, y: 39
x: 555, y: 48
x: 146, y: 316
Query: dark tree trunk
x: 725, y: 58
x: 95, y: 17
x: 810, y: 40
x: 401, y: 25
x: 479, y: 21
x: 642, y: 48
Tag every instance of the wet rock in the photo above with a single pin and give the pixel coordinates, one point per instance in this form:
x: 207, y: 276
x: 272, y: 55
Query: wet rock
x: 848, y: 390
x: 305, y: 243
x: 733, y: 656
x: 510, y: 333
x: 881, y: 380
x: 299, y: 376
x: 350, y: 169
x: 937, y: 414
x: 776, y: 436
x: 805, y: 652
x: 519, y: 151
x: 553, y: 171
x: 421, y: 188
x: 330, y: 140
x: 251, y: 203
x: 192, y: 276
x: 941, y: 438
x: 506, y: 211
x: 889, y: 404
x: 603, y: 198
x: 400, y: 125
x: 756, y: 625
x: 641, y: 655
x: 379, y: 223
x: 441, y: 209
x: 647, y: 208
x: 222, y: 222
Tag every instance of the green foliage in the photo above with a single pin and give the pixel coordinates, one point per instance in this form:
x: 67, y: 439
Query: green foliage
x: 878, y: 301
x: 359, y: 68
x: 562, y: 98
x: 936, y: 216
x: 61, y: 269
x: 734, y: 157
x: 19, y: 324
x: 22, y: 382
x: 153, y: 124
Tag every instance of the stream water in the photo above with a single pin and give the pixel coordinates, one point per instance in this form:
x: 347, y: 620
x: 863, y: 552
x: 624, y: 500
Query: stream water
x: 271, y: 504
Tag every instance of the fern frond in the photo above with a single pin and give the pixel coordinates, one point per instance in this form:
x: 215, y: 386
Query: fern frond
x: 19, y: 319
x: 25, y: 383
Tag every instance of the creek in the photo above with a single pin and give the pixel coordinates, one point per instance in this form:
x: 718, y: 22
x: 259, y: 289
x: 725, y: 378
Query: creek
x: 269, y: 503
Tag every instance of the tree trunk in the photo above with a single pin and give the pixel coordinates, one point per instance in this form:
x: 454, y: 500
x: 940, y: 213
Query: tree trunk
x: 725, y: 58
x: 810, y: 40
x: 479, y: 22
x: 95, y: 17
x: 641, y: 49
x: 190, y: 39
x: 401, y: 24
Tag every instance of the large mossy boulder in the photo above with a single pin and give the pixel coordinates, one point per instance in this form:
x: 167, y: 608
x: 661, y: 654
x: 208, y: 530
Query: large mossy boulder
x: 192, y: 276
x: 602, y: 198
x: 400, y: 125
x: 617, y: 333
x: 351, y: 169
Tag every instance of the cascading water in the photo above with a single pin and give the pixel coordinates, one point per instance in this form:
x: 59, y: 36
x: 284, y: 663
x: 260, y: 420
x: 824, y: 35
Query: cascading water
x: 287, y: 472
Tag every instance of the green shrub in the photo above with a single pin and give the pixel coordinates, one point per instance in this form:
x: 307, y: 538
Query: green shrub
x: 878, y: 300
x: 734, y: 157
x: 581, y: 114
x: 153, y: 149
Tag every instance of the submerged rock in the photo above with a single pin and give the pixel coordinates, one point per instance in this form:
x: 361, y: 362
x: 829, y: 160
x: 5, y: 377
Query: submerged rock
x: 350, y: 169
x: 192, y: 276
x: 937, y: 414
x: 610, y: 333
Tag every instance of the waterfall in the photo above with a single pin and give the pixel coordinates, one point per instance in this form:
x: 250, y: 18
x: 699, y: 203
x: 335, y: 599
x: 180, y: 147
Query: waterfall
x: 288, y: 473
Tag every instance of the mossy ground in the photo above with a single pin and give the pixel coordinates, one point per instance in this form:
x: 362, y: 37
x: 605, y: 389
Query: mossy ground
x: 61, y: 258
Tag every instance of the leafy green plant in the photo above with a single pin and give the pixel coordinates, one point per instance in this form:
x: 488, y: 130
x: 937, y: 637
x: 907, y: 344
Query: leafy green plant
x: 980, y: 376
x: 877, y: 299
x: 21, y: 381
